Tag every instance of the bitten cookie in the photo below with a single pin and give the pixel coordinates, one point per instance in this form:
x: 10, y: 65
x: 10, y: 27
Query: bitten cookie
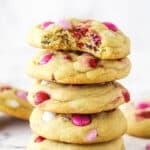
x: 14, y: 102
x: 76, y: 68
x: 40, y: 143
x: 77, y: 128
x: 138, y: 118
x: 86, y: 99
x: 102, y: 39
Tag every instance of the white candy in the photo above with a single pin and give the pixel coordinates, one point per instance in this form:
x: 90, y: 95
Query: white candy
x: 44, y: 82
x: 47, y: 116
x: 109, y: 33
x: 12, y: 103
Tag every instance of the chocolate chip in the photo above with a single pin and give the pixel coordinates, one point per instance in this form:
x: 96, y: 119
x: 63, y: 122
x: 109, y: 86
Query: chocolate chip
x: 45, y: 42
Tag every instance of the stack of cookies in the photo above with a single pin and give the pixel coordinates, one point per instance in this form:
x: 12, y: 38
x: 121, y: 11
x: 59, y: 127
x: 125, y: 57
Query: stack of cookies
x: 75, y: 95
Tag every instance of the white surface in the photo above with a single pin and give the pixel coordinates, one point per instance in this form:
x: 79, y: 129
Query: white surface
x: 17, y: 16
x: 14, y: 133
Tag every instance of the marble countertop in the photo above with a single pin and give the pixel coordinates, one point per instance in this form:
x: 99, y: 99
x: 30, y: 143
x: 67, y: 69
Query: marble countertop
x: 15, y: 135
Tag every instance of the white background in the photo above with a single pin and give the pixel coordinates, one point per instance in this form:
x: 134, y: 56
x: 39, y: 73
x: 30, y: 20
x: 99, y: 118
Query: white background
x: 18, y: 16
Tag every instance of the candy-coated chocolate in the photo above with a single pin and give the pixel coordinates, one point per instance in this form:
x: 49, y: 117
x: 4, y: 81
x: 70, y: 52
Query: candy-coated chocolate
x: 40, y: 97
x: 45, y: 59
x: 143, y: 105
x: 126, y: 95
x: 22, y: 94
x: 64, y: 24
x: 47, y: 24
x: 91, y: 135
x: 39, y: 139
x: 81, y: 120
x: 110, y: 26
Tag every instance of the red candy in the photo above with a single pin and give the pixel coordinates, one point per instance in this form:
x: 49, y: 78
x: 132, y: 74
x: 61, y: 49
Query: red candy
x: 45, y: 59
x: 39, y: 139
x: 5, y: 88
x: 96, y: 38
x: 80, y: 45
x: 88, y: 60
x: 110, y: 26
x: 40, y: 97
x: 92, y: 62
x: 22, y: 94
x: 144, y: 114
x: 79, y: 32
x: 142, y: 105
x: 67, y: 57
x: 81, y: 120
x: 126, y: 95
x: 46, y: 24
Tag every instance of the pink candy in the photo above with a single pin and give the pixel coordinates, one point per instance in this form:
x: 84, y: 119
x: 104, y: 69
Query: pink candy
x: 110, y: 26
x: 92, y: 62
x: 41, y: 97
x: 147, y: 147
x: 22, y: 94
x: 64, y: 24
x: 67, y: 57
x: 89, y: 61
x: 126, y: 95
x: 45, y: 59
x: 91, y: 135
x: 142, y: 105
x: 81, y: 120
x: 39, y: 139
x: 47, y: 24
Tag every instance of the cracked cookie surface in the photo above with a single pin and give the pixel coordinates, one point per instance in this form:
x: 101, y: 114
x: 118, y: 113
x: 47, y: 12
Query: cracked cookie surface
x: 102, y: 39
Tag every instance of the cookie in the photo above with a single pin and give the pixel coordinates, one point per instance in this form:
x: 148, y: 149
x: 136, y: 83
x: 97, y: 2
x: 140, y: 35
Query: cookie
x: 77, y: 128
x: 101, y: 39
x: 14, y: 102
x: 40, y: 143
x: 83, y: 99
x: 76, y: 68
x: 138, y: 118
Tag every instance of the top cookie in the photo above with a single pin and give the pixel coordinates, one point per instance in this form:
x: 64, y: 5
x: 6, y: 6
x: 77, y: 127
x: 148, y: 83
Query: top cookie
x: 103, y: 40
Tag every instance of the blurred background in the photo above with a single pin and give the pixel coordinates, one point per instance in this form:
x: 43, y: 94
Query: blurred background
x: 18, y: 16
